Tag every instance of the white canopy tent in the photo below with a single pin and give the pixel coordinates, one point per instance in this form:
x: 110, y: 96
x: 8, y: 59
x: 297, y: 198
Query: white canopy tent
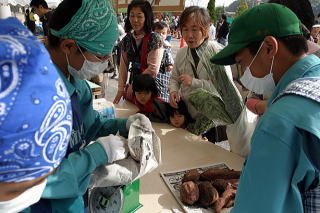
x: 51, y: 3
x: 14, y: 2
x: 5, y: 10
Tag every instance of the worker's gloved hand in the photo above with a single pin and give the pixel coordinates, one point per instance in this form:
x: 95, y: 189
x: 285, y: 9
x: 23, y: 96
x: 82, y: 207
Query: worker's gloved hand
x: 145, y: 122
x: 114, y: 146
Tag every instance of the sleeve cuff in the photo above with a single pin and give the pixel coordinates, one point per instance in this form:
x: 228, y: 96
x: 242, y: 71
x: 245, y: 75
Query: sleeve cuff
x: 123, y: 130
x: 195, y: 83
x: 98, y: 153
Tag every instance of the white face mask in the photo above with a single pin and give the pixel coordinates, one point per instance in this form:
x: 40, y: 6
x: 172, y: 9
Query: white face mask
x: 23, y: 201
x: 260, y: 86
x: 89, y: 69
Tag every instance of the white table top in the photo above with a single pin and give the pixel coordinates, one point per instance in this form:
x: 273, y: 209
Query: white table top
x: 180, y: 150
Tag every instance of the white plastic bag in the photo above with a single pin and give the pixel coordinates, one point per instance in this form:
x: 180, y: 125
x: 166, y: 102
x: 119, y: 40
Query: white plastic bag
x: 239, y: 134
x: 105, y: 108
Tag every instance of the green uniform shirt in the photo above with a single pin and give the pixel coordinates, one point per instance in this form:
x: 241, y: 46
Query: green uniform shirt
x: 278, y: 170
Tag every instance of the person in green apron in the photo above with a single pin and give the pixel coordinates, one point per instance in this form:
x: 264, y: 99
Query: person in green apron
x: 81, y: 39
x: 281, y: 172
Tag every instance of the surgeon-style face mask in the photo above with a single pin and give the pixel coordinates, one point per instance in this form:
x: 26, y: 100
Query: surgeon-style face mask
x: 261, y: 86
x: 23, y: 201
x: 89, y: 69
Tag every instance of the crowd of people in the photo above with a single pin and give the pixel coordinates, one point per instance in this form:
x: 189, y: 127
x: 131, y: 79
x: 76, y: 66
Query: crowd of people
x: 62, y: 140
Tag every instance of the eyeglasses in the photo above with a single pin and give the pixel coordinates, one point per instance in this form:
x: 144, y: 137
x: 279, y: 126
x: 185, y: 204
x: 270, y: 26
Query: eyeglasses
x: 102, y: 59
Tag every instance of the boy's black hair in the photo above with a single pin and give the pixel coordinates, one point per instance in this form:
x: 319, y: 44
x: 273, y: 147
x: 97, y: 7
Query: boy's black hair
x: 144, y: 82
x: 182, y: 110
x: 148, y: 14
x: 37, y: 3
x: 302, y: 9
x: 159, y: 25
x: 61, y: 18
x: 224, y: 17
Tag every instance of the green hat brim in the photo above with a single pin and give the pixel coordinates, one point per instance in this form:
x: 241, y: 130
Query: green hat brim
x: 227, y: 55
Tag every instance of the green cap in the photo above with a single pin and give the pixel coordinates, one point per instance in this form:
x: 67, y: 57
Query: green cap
x: 253, y: 25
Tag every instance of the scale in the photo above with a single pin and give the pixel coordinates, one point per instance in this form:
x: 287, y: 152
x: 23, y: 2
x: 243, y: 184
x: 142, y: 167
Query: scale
x: 115, y: 199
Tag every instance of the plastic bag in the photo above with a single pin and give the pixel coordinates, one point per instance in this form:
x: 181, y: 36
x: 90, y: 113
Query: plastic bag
x: 105, y: 108
x: 239, y: 134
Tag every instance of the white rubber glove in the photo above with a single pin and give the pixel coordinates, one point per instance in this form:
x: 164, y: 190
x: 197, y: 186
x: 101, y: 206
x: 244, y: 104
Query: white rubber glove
x: 114, y: 146
x: 145, y: 122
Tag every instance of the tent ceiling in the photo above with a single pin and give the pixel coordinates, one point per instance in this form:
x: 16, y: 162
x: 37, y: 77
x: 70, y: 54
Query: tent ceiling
x: 51, y: 3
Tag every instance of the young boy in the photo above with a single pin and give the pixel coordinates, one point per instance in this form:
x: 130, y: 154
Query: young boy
x: 167, y: 62
x: 147, y: 100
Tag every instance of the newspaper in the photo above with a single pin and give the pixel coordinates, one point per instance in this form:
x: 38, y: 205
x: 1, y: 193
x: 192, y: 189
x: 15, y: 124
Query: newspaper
x: 173, y: 180
x: 145, y: 155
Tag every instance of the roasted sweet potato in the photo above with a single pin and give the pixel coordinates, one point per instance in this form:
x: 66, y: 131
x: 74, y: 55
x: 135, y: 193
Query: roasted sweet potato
x: 189, y: 192
x: 227, y: 195
x: 216, y: 173
x: 230, y: 203
x: 220, y: 185
x: 192, y: 175
x: 207, y: 194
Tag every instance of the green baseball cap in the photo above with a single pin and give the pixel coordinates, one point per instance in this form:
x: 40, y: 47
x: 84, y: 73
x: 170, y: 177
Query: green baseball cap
x: 253, y: 25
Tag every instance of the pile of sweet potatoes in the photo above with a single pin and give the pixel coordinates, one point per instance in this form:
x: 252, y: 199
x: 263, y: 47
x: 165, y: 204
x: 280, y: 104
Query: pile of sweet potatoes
x: 214, y: 188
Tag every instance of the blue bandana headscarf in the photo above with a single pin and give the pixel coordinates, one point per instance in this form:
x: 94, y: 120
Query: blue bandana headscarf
x: 94, y: 27
x: 35, y: 111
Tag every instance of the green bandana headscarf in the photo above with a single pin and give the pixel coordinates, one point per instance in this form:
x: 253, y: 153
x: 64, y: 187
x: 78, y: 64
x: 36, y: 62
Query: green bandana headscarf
x: 94, y: 27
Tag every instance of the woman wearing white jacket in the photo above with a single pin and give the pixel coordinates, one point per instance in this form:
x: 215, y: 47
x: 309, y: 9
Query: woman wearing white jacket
x: 193, y: 71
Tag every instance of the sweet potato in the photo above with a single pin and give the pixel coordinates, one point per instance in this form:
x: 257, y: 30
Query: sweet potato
x: 192, y: 175
x: 207, y: 194
x: 189, y: 192
x: 216, y: 173
x: 220, y: 185
x: 227, y: 195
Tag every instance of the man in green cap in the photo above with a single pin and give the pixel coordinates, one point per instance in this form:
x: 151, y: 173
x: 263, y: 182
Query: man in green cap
x: 281, y: 173
x: 81, y: 39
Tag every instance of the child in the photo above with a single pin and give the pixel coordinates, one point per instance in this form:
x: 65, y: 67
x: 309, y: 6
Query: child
x: 179, y: 117
x: 166, y: 66
x: 146, y: 99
